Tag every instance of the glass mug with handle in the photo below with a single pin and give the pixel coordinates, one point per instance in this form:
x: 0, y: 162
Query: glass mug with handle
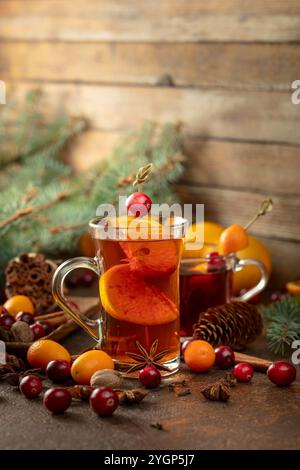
x: 208, y: 282
x: 137, y: 262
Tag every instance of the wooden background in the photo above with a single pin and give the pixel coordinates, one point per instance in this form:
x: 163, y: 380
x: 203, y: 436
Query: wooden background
x: 223, y: 68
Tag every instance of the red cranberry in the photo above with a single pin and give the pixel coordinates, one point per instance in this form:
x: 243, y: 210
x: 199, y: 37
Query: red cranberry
x: 281, y: 373
x: 58, y: 371
x: 224, y: 357
x: 6, y: 321
x: 150, y: 377
x: 57, y: 400
x: 104, y: 401
x: 26, y: 317
x: 31, y: 386
x: 276, y: 296
x: 138, y: 204
x: 215, y: 262
x: 87, y: 278
x: 73, y: 280
x: 38, y: 330
x: 48, y: 328
x: 183, y: 346
x: 243, y: 372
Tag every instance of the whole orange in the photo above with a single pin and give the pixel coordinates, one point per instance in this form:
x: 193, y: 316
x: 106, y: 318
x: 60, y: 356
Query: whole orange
x: 250, y: 275
x: 199, y: 355
x: 43, y: 351
x: 88, y: 363
x: 19, y: 303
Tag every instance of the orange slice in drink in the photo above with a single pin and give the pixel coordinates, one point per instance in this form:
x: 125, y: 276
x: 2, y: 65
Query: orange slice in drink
x: 131, y: 299
x: 154, y: 258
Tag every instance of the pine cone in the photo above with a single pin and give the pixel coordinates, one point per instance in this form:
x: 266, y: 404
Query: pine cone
x: 234, y: 324
x: 31, y: 274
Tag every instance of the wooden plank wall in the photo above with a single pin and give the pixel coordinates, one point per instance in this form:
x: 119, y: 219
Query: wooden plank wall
x: 222, y: 68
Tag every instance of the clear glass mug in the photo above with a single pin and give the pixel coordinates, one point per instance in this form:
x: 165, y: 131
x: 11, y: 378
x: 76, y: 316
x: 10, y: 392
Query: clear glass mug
x: 207, y: 282
x: 138, y: 270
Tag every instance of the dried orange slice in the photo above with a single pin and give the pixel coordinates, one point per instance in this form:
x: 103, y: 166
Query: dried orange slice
x: 293, y: 287
x: 128, y: 298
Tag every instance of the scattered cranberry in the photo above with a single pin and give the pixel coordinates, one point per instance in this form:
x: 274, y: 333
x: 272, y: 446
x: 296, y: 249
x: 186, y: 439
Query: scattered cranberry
x: 276, y: 296
x: 3, y: 309
x: 104, y: 401
x: 281, y: 373
x: 243, y: 372
x: 58, y: 371
x: 48, y: 328
x: 73, y: 280
x: 57, y: 400
x: 138, y: 204
x: 6, y: 321
x: 31, y: 386
x: 224, y: 357
x: 183, y: 346
x: 88, y: 277
x: 215, y: 262
x: 150, y: 377
x: 38, y: 330
x: 26, y: 317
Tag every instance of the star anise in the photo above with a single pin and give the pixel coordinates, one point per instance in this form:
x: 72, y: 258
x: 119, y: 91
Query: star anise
x: 145, y: 359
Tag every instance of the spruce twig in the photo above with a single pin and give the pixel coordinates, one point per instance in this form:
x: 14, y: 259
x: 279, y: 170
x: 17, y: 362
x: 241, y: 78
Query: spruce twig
x: 283, y: 323
x: 16, y: 216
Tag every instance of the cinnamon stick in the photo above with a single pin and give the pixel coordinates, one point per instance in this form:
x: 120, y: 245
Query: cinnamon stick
x: 259, y: 364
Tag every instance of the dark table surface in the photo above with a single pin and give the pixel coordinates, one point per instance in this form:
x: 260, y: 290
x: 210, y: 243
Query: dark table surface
x: 258, y: 415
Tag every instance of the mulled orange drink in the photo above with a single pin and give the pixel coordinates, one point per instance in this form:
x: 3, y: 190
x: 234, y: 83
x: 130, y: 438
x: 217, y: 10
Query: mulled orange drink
x: 139, y: 293
x: 137, y: 260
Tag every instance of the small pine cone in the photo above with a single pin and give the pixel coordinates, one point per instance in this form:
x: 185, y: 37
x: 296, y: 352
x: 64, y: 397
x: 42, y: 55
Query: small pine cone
x: 234, y: 324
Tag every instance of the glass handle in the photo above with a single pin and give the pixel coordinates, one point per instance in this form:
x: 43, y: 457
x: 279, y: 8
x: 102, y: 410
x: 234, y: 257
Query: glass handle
x: 241, y: 263
x: 92, y: 327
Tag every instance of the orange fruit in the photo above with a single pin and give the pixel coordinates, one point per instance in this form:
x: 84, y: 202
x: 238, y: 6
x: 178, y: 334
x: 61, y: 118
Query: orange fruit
x: 209, y: 234
x: 233, y: 239
x: 19, y: 303
x: 199, y: 355
x: 249, y: 276
x: 88, y: 363
x: 43, y: 351
x: 129, y: 298
x: 293, y: 287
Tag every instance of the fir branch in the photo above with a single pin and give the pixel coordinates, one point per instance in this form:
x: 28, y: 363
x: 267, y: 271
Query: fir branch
x: 16, y: 216
x: 283, y: 323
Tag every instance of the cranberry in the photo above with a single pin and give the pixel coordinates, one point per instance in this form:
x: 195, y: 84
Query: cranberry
x: 281, y: 373
x: 276, y: 296
x: 74, y: 279
x: 215, y: 262
x: 58, y: 371
x: 38, y: 330
x: 31, y: 386
x: 104, y: 401
x: 183, y: 346
x: 48, y: 328
x: 138, y: 204
x: 150, y: 377
x: 87, y: 278
x: 57, y: 400
x: 6, y: 321
x: 243, y: 372
x: 224, y: 357
x: 26, y: 317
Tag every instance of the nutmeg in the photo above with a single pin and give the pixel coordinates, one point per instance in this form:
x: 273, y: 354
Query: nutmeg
x: 107, y: 378
x: 22, y: 332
